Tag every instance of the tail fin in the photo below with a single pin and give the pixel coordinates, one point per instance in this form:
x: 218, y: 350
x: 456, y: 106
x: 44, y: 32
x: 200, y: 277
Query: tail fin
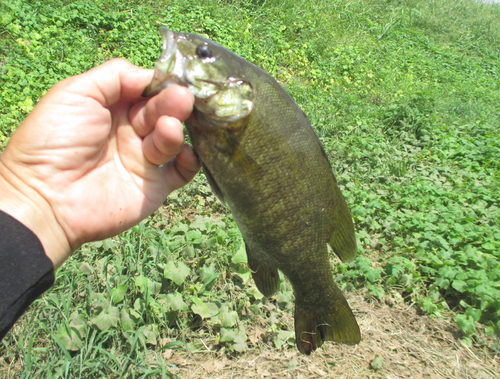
x: 314, y: 325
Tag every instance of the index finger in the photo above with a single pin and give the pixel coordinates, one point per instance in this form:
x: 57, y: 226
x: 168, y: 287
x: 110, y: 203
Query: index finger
x: 173, y: 101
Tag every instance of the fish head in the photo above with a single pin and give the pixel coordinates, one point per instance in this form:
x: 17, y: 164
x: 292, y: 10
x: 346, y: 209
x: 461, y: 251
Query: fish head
x: 212, y: 74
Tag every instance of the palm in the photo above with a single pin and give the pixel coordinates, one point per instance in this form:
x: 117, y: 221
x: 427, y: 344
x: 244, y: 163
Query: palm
x: 108, y: 179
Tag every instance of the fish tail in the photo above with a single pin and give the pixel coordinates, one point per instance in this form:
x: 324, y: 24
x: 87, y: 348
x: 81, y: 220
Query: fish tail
x: 316, y: 324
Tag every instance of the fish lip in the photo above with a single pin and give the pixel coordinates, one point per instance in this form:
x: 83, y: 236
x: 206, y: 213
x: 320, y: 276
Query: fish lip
x: 165, y: 66
x: 169, y: 45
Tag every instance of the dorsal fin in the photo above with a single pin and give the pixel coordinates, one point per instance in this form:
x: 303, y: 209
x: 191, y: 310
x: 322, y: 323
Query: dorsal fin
x: 343, y: 239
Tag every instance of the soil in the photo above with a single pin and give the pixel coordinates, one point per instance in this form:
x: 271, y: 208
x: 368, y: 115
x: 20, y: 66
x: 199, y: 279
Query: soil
x: 410, y: 345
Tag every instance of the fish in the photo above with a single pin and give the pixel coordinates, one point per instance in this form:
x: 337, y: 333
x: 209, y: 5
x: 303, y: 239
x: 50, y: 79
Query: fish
x: 263, y: 159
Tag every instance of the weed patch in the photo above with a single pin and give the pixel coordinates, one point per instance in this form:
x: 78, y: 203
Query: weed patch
x: 405, y: 100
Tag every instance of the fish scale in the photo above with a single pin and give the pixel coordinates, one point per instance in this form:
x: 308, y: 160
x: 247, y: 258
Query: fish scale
x: 268, y: 165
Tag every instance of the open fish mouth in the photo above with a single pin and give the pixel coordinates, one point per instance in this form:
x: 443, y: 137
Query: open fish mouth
x: 169, y: 68
x: 179, y: 64
x: 169, y: 44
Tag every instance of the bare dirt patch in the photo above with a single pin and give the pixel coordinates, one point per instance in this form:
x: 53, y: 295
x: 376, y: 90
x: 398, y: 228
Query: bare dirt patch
x: 410, y: 345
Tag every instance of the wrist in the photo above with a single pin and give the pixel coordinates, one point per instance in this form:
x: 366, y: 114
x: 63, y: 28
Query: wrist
x: 28, y: 206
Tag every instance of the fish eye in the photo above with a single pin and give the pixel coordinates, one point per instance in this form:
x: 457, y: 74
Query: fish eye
x: 204, y: 51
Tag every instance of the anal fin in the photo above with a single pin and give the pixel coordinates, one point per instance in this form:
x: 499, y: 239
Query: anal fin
x: 266, y: 279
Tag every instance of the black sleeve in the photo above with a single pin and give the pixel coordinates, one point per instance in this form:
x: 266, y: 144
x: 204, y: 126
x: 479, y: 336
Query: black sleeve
x: 25, y: 271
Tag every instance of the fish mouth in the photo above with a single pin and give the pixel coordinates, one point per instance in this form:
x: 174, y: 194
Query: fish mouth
x: 167, y: 70
x: 222, y: 99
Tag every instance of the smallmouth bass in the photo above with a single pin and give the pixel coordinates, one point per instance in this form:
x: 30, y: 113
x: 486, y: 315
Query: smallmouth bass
x: 263, y: 159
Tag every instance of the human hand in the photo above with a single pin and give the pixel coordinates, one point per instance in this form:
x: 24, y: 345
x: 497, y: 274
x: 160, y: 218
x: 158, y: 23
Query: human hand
x: 85, y: 164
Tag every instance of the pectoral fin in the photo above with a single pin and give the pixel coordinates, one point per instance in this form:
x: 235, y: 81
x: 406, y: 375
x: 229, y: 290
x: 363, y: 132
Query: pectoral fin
x: 230, y: 146
x: 266, y: 279
x: 215, y: 188
x: 343, y: 239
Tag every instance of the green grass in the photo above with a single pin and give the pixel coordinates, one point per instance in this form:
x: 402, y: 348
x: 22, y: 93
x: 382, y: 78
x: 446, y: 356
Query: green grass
x: 404, y: 96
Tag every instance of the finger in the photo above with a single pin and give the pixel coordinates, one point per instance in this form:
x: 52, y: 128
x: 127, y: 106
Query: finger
x: 174, y: 101
x: 165, y: 142
x: 108, y: 83
x: 182, y: 169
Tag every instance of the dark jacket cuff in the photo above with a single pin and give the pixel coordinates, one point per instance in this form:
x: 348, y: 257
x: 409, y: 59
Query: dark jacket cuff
x: 25, y: 270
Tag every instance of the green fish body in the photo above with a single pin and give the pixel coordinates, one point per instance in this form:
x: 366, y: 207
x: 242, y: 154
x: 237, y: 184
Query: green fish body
x: 262, y: 157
